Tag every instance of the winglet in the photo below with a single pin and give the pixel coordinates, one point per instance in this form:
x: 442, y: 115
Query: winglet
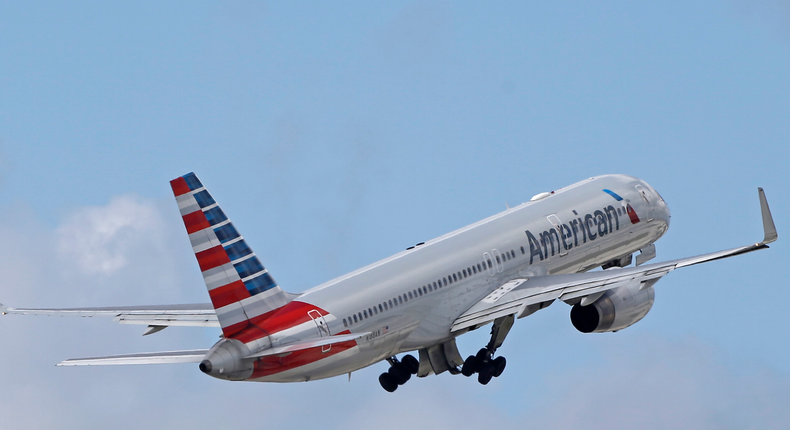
x: 768, y: 220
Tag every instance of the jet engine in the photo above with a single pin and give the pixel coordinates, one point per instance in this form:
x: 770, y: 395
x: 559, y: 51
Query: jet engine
x: 615, y: 310
x: 225, y: 360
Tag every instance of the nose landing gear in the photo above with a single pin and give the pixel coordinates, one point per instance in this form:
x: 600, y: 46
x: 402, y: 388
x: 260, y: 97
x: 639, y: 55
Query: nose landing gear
x: 399, y: 372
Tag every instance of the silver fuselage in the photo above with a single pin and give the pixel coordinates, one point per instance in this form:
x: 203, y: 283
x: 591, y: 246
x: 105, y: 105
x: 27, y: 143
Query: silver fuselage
x: 425, y: 320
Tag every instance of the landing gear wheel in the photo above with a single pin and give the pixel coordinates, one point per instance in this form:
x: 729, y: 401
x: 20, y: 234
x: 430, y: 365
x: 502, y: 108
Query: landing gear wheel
x: 482, y: 355
x: 399, y: 374
x: 388, y: 382
x: 411, y: 364
x: 485, y: 375
x: 470, y: 366
x: 498, y: 365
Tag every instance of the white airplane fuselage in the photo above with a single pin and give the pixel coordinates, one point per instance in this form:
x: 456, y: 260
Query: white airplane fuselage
x: 519, y: 242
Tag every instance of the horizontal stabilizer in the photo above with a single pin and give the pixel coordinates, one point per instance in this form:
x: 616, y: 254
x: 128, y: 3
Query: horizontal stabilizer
x: 307, y: 344
x: 168, y: 357
x: 190, y: 315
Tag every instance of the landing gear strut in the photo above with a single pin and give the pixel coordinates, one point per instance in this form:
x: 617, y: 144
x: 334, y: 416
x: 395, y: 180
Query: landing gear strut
x: 483, y: 363
x: 399, y: 372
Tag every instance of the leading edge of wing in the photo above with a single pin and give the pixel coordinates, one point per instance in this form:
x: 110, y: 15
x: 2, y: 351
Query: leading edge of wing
x: 571, y: 286
x: 166, y: 357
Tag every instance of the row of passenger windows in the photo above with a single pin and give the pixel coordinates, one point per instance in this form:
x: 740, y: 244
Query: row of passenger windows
x: 429, y: 288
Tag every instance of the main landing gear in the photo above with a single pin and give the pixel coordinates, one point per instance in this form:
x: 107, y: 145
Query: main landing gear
x: 483, y: 363
x: 399, y: 372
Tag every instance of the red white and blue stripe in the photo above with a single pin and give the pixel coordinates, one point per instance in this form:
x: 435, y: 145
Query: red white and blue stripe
x: 241, y: 289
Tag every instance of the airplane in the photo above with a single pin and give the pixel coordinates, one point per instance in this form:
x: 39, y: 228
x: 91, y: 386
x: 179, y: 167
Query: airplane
x: 497, y: 270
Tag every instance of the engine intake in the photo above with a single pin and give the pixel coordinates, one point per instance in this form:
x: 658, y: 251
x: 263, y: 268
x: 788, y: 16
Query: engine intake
x: 615, y: 310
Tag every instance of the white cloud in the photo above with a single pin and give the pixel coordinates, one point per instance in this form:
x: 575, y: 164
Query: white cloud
x: 98, y: 239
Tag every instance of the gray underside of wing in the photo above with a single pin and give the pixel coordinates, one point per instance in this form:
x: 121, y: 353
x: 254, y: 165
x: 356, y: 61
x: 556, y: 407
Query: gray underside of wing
x: 168, y: 357
x: 529, y: 291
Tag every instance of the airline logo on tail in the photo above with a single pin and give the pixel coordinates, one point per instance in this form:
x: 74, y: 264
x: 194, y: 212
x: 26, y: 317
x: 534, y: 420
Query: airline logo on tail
x: 239, y: 286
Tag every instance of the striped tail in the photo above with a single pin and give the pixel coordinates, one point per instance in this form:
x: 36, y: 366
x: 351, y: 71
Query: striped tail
x: 241, y: 289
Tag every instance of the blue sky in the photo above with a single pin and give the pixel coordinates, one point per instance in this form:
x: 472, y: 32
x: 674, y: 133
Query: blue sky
x: 335, y: 135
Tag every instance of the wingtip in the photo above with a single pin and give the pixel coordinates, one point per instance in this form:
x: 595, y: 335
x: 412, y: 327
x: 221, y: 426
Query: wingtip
x: 3, y: 309
x: 769, y: 228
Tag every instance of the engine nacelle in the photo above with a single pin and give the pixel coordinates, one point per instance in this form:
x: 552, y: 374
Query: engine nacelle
x: 615, y: 310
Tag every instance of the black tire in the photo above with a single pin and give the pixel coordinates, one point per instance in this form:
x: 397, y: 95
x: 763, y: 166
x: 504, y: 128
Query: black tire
x: 482, y: 355
x: 470, y: 366
x: 411, y: 364
x: 388, y: 382
x: 498, y: 365
x: 485, y: 374
x: 399, y: 374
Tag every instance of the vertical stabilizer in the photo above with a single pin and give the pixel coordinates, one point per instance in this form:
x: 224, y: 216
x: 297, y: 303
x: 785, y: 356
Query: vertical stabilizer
x: 241, y: 289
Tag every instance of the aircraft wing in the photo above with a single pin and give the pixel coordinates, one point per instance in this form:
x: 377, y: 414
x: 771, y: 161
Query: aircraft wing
x: 514, y: 296
x: 169, y: 357
x: 157, y: 317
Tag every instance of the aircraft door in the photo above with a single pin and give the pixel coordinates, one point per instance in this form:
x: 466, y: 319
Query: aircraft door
x: 489, y: 263
x: 321, y: 325
x: 499, y: 261
x: 555, y: 221
x: 647, y: 202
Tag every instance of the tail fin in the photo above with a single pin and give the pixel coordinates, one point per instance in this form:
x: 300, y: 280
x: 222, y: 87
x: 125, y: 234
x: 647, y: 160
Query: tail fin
x: 241, y: 289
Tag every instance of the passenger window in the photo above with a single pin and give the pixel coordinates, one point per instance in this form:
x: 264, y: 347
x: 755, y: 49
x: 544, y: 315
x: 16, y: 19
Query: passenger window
x: 386, y: 308
x: 365, y: 314
x: 522, y: 251
x: 513, y: 253
x: 410, y: 296
x: 355, y: 318
x: 489, y: 264
x: 391, y: 302
x: 479, y: 269
x: 424, y: 289
x: 344, y: 323
x: 400, y: 300
x: 445, y: 281
x: 430, y: 287
x: 455, y: 278
x: 464, y: 273
x: 498, y: 260
x: 419, y: 290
